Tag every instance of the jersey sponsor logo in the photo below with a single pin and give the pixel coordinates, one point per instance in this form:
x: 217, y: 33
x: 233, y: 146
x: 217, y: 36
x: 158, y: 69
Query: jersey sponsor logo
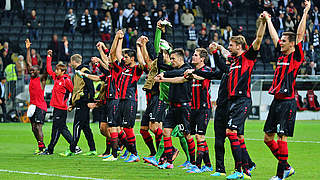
x: 60, y: 83
x: 127, y: 74
x: 196, y: 85
x: 235, y: 67
x: 282, y: 64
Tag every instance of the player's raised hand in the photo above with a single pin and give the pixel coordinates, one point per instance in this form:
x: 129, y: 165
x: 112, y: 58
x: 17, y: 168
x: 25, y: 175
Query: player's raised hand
x: 95, y: 60
x: 144, y: 40
x: 49, y: 53
x: 99, y: 45
x: 308, y: 5
x: 266, y: 15
x: 213, y: 46
x: 28, y: 43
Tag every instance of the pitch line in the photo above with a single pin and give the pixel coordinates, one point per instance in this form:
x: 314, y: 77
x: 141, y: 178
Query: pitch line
x: 45, y: 174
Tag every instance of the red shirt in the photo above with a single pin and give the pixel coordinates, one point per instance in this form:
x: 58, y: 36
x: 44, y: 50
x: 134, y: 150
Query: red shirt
x: 284, y: 80
x: 201, y: 92
x: 61, y: 89
x: 37, y: 94
x: 34, y: 60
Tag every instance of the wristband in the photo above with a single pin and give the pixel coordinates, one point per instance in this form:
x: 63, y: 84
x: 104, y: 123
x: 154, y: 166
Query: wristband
x: 215, y: 51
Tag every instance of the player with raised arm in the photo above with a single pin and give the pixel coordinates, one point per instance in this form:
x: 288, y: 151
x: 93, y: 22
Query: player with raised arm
x: 38, y: 106
x: 60, y: 94
x: 282, y: 113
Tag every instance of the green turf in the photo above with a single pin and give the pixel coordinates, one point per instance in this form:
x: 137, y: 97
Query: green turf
x: 17, y: 145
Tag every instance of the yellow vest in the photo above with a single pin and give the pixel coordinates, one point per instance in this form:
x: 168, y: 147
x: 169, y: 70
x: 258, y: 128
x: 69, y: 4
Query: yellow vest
x: 78, y: 85
x: 10, y: 71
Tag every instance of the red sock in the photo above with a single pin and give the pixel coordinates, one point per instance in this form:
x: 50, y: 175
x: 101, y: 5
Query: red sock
x: 236, y: 151
x: 158, y: 136
x: 273, y: 146
x: 168, y: 148
x: 192, y: 150
x: 131, y: 139
x: 148, y: 140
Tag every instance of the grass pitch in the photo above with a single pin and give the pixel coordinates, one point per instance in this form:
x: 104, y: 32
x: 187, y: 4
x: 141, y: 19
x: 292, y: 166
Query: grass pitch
x: 17, y: 145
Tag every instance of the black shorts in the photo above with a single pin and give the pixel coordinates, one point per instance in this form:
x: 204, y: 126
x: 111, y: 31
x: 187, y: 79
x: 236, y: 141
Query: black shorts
x: 239, y: 109
x: 149, y: 114
x: 39, y: 116
x: 199, y: 121
x: 127, y: 112
x: 98, y: 114
x: 178, y: 116
x: 111, y: 113
x: 161, y: 111
x: 281, y: 117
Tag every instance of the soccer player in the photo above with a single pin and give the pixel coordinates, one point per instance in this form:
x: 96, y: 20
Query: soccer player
x: 127, y: 85
x: 82, y: 101
x: 38, y: 106
x: 239, y: 93
x: 282, y: 113
x: 60, y: 95
x: 179, y: 110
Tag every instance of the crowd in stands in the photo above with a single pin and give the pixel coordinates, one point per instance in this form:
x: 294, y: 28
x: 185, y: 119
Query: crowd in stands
x: 104, y: 17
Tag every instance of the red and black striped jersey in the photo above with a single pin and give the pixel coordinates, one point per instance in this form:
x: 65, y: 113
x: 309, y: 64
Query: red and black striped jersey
x: 111, y: 85
x: 284, y: 80
x: 201, y: 91
x: 127, y: 80
x: 239, y: 81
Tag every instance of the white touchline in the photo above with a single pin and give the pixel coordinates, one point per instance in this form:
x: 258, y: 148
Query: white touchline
x: 252, y: 139
x: 45, y: 174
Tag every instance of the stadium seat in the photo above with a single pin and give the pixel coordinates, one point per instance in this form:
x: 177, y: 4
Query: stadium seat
x: 312, y: 101
x: 299, y: 101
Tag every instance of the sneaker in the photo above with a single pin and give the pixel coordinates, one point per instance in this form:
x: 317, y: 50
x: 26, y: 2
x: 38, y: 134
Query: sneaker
x: 184, y: 164
x: 151, y: 160
x: 190, y: 166
x: 78, y: 150
x: 133, y: 158
x: 67, y: 153
x: 106, y: 156
x: 218, y: 174
x: 194, y: 170
x: 46, y: 152
x: 125, y: 155
x: 253, y: 167
x: 275, y: 178
x: 166, y: 166
x: 288, y: 173
x: 206, y: 169
x: 235, y: 175
x: 246, y: 176
x: 90, y: 153
x: 110, y: 158
x: 37, y: 152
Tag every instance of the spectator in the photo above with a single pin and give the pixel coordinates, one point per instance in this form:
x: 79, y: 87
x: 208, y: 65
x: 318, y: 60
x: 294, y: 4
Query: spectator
x: 6, y: 59
x: 36, y: 58
x: 133, y: 39
x: 312, y: 68
x: 313, y: 56
x: 70, y: 22
x: 128, y: 11
x: 164, y: 11
x: 85, y: 22
x: 174, y: 16
x: 296, y: 23
x: 291, y: 10
x: 204, y: 6
x: 192, y: 37
x: 33, y: 24
x: 134, y: 22
x: 266, y: 53
x: 187, y: 57
x: 70, y: 4
x: 127, y: 38
x: 114, y: 14
x: 65, y: 50
x: 268, y: 6
x: 212, y: 31
x: 203, y: 39
x: 54, y: 46
x: 303, y: 68
x: 227, y: 34
x: 11, y: 76
x: 289, y: 24
x: 216, y: 38
x: 22, y: 71
x: 142, y: 7
x: 188, y: 4
x: 155, y: 19
x: 225, y: 13
x: 315, y: 40
x: 260, y: 7
x: 3, y: 98
x: 279, y: 24
x: 239, y: 31
x: 187, y: 18
x: 121, y: 20
x: 106, y: 28
x: 154, y: 7
x: 315, y: 17
x: 146, y: 25
x: 106, y: 6
x: 280, y: 10
x: 94, y: 4
x: 95, y: 21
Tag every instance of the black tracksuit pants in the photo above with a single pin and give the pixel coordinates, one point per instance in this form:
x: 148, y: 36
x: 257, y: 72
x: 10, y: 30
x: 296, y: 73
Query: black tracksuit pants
x: 82, y: 122
x: 59, y: 127
x: 220, y: 124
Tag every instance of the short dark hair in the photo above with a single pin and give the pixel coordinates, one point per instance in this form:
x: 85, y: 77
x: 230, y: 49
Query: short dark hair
x: 291, y: 36
x: 130, y: 52
x: 178, y: 51
x: 203, y: 53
